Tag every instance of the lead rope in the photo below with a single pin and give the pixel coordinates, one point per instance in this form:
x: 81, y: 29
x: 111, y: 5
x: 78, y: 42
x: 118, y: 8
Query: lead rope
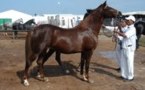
x: 114, y: 36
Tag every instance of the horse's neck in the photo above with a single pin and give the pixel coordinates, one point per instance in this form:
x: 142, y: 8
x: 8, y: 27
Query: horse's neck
x: 94, y: 22
x: 28, y: 23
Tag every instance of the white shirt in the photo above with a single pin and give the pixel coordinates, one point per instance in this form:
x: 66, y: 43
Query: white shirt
x: 123, y: 30
x: 130, y: 40
x: 110, y: 28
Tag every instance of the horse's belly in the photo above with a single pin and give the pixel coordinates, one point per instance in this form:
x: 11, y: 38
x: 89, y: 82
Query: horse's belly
x: 68, y: 47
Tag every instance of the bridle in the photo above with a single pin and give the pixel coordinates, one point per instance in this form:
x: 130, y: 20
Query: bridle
x: 109, y: 33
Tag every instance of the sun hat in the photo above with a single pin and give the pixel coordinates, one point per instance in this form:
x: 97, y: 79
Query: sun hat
x: 130, y: 18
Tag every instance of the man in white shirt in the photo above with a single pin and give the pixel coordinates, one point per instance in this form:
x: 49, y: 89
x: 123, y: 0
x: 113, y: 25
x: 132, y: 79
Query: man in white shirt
x: 128, y: 49
x: 121, y: 27
x: 118, y: 39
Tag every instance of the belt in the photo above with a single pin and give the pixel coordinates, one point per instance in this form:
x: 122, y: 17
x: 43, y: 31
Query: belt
x: 129, y: 45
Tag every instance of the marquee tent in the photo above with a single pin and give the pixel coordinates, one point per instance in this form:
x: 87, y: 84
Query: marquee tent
x: 15, y: 15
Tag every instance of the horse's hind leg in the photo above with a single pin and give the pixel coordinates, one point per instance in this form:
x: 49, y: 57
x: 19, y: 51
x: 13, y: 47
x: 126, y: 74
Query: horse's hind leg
x: 78, y: 67
x: 57, y: 57
x: 43, y: 57
x: 40, y: 62
x: 47, y: 55
x: 29, y: 60
x: 59, y: 61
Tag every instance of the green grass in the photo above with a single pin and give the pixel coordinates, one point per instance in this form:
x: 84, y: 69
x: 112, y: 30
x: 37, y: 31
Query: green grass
x: 142, y: 41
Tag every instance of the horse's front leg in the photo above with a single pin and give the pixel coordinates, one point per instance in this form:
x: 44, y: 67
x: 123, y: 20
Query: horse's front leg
x: 87, y: 58
x: 82, y: 63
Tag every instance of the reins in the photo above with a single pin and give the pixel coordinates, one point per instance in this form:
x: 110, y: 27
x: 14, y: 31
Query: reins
x: 114, y: 38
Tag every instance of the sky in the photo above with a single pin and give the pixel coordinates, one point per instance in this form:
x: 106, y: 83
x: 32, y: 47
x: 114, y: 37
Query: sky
x: 68, y: 6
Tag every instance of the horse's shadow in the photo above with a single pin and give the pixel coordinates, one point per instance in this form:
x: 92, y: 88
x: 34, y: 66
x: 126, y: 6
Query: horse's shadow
x: 52, y: 71
x: 100, y: 68
x: 57, y: 71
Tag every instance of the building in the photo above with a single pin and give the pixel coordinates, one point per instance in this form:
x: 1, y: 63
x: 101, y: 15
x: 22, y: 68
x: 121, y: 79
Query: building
x: 61, y: 20
x: 64, y: 20
x: 40, y: 19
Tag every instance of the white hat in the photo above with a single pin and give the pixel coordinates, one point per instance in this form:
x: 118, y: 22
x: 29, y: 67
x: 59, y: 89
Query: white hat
x: 130, y: 18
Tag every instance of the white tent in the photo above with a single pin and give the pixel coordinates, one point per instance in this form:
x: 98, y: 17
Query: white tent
x: 136, y: 12
x: 15, y: 15
x: 40, y: 19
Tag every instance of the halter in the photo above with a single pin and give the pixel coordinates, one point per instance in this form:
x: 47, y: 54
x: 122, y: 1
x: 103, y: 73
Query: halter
x: 109, y: 33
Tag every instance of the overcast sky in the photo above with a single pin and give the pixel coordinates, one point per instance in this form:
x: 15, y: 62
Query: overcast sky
x: 68, y: 6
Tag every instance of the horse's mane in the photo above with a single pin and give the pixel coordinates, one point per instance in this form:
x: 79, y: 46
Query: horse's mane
x: 83, y: 25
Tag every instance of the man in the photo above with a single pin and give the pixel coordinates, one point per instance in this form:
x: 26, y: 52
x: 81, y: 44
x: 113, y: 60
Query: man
x: 118, y: 39
x: 121, y: 27
x: 128, y: 49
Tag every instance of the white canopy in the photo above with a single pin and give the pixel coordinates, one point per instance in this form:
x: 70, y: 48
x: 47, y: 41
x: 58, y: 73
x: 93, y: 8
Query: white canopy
x: 133, y: 13
x: 15, y: 15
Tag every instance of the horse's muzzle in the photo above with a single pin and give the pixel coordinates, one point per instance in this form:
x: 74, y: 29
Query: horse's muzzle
x: 119, y: 14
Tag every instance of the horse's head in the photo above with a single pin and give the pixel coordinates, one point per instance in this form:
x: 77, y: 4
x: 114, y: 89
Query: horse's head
x: 30, y: 22
x: 107, y: 11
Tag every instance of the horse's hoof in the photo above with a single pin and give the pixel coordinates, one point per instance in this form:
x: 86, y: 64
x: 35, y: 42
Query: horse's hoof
x: 85, y: 79
x: 78, y: 70
x: 90, y: 81
x: 26, y: 83
x: 67, y: 71
x: 45, y: 79
x: 38, y: 76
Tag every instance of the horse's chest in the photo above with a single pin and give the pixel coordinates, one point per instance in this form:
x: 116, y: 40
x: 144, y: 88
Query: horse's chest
x: 90, y: 42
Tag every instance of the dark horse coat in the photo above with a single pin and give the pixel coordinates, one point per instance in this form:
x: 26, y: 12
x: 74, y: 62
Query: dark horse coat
x: 140, y: 30
x: 80, y: 39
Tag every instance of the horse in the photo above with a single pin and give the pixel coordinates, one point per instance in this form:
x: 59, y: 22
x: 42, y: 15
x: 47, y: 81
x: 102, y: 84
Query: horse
x: 26, y: 26
x: 29, y: 24
x: 140, y: 30
x: 18, y: 25
x: 82, y: 38
x: 58, y: 54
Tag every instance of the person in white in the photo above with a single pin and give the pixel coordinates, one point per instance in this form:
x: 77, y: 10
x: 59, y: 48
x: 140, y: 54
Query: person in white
x: 118, y: 39
x: 121, y: 27
x: 128, y: 49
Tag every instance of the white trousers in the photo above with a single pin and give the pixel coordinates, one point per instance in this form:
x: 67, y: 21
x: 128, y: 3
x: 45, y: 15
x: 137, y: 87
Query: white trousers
x: 118, y: 53
x: 127, y: 63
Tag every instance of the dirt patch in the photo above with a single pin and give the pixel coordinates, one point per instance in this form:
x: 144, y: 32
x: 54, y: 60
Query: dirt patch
x: 102, y: 70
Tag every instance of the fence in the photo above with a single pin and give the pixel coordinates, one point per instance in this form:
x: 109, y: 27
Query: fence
x: 14, y: 33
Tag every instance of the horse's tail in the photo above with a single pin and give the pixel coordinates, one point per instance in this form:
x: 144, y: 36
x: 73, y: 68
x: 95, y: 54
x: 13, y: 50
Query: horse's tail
x: 28, y: 48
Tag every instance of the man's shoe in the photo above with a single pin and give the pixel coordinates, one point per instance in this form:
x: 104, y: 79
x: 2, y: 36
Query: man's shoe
x: 130, y: 79
x: 118, y: 69
x: 125, y: 79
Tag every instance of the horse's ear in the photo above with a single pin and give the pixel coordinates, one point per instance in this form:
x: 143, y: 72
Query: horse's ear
x: 89, y: 10
x: 104, y: 4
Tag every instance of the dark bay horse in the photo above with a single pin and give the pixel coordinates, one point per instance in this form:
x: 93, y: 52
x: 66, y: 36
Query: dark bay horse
x: 81, y: 39
x: 57, y: 53
x: 140, y: 30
